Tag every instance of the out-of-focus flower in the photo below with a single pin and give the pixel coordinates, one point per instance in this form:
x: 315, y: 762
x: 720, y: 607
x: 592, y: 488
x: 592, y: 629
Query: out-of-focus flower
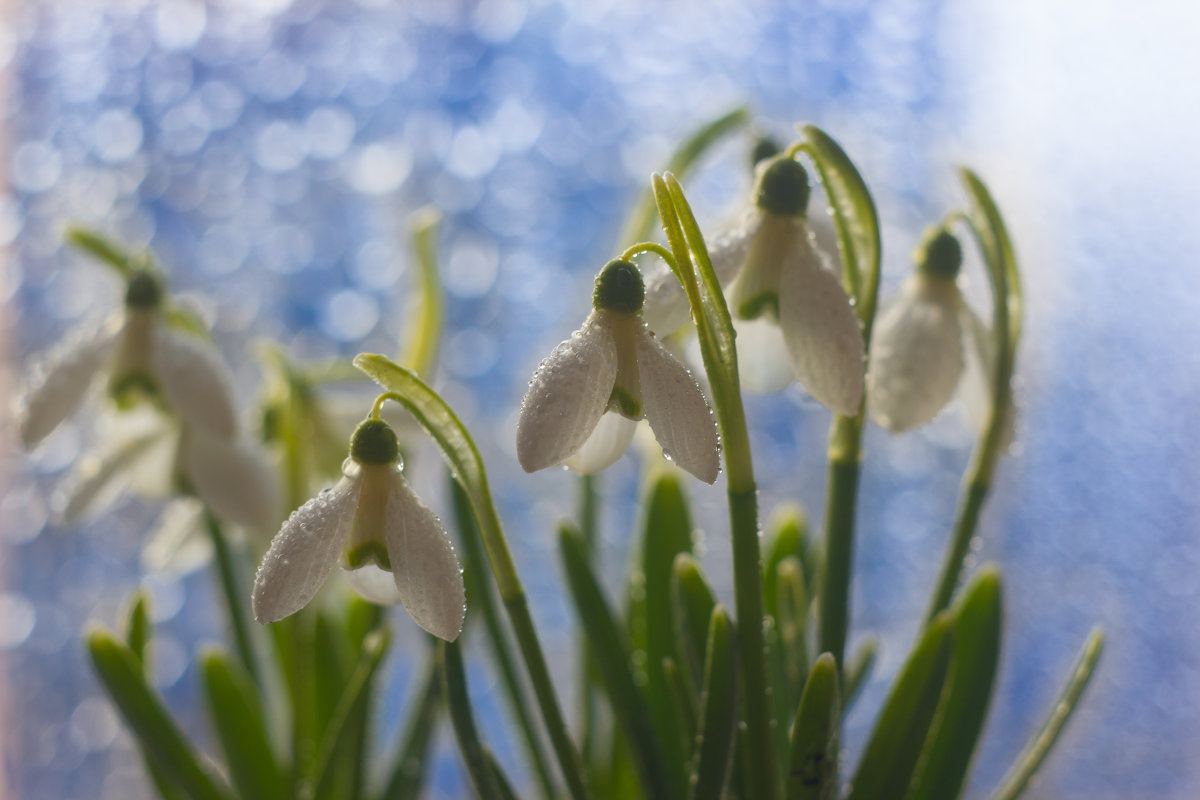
x: 773, y: 270
x: 373, y: 524
x: 614, y: 364
x: 924, y: 339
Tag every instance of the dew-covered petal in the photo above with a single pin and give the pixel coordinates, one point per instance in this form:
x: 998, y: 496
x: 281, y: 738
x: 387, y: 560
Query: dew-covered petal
x: 677, y: 410
x: 763, y: 364
x: 424, y: 566
x: 102, y: 477
x: 567, y: 396
x: 303, y: 552
x: 233, y: 478
x: 608, y: 442
x: 176, y: 543
x: 917, y: 355
x: 195, y: 381
x: 373, y: 584
x: 58, y: 383
x: 821, y: 331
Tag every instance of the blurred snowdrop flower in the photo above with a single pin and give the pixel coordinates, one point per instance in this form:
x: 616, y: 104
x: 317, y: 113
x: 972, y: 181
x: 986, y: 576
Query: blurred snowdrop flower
x: 372, y: 524
x: 585, y: 399
x: 187, y: 442
x: 773, y: 270
x: 928, y: 343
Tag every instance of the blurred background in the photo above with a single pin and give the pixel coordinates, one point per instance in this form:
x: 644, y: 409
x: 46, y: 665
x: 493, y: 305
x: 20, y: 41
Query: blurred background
x: 270, y: 151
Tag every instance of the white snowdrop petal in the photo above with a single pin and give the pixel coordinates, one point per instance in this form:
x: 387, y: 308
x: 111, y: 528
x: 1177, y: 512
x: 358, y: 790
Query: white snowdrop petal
x: 821, y: 331
x: 677, y: 410
x: 176, y: 543
x: 234, y: 479
x: 303, y: 552
x: 763, y: 365
x: 424, y: 566
x: 608, y: 442
x: 917, y: 357
x: 195, y: 381
x: 60, y: 381
x: 975, y: 389
x: 567, y: 396
x: 99, y: 479
x: 373, y: 584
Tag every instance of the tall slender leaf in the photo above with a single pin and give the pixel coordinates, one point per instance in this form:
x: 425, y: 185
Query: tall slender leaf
x: 236, y: 712
x: 718, y: 726
x: 812, y: 768
x: 483, y: 771
x: 693, y: 601
x: 408, y: 772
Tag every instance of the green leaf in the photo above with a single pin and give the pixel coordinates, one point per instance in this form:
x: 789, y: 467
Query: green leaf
x: 353, y: 699
x: 137, y: 626
x: 787, y: 536
x: 891, y: 753
x: 666, y: 532
x: 121, y: 673
x: 101, y: 248
x: 640, y: 224
x: 1039, y: 747
x: 504, y: 788
x: 424, y: 330
x: 988, y: 224
x: 454, y: 684
x: 693, y: 602
x: 790, y: 651
x: 854, y: 220
x: 943, y: 767
x: 616, y: 669
x: 718, y: 727
x: 859, y: 669
x: 812, y: 768
x: 408, y: 773
x: 332, y: 663
x: 233, y: 705
x: 683, y: 705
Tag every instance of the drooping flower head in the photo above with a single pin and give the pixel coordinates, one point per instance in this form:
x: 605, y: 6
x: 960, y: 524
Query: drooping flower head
x: 390, y: 546
x: 585, y: 399
x: 924, y: 339
x: 773, y: 271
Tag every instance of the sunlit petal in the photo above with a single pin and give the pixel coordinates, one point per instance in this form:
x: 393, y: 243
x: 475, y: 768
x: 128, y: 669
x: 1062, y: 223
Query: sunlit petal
x: 59, y: 383
x: 917, y: 357
x: 567, y: 396
x: 608, y: 442
x: 975, y: 389
x: 373, y: 584
x: 763, y: 364
x: 195, y: 381
x: 821, y: 331
x: 234, y: 479
x: 177, y: 543
x: 303, y: 552
x: 677, y: 410
x: 101, y: 478
x: 425, y: 568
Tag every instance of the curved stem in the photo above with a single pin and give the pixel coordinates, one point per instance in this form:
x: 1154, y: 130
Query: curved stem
x: 651, y: 247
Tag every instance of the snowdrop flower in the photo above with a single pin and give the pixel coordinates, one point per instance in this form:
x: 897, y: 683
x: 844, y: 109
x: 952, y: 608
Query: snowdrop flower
x: 585, y: 399
x: 773, y: 271
x: 194, y: 446
x: 372, y: 524
x: 924, y: 339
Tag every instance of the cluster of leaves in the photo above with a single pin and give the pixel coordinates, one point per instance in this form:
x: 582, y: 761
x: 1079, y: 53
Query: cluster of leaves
x: 681, y: 697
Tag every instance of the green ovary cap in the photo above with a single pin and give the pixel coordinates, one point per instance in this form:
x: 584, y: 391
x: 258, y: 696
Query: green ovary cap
x: 143, y: 291
x: 783, y: 188
x: 939, y: 254
x: 374, y: 442
x: 765, y: 147
x: 619, y: 287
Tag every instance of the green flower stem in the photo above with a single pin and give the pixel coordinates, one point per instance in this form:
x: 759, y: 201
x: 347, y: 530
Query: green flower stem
x: 234, y: 595
x: 651, y: 247
x: 841, y: 492
x: 715, y: 330
x: 459, y: 450
x: 588, y: 497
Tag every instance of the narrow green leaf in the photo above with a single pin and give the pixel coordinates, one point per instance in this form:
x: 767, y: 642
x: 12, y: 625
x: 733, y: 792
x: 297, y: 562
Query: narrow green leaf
x: 693, y: 601
x: 812, y: 768
x: 943, y: 767
x: 454, y: 684
x: 791, y: 649
x: 891, y: 753
x: 787, y: 535
x: 137, y: 627
x: 718, y: 726
x: 408, y: 773
x: 640, y: 224
x: 504, y: 788
x: 101, y: 248
x: 998, y: 250
x: 666, y: 532
x: 121, y: 673
x: 332, y: 663
x: 424, y: 330
x: 854, y: 219
x: 683, y: 705
x: 1039, y: 747
x: 353, y: 698
x: 613, y: 658
x: 859, y: 669
x: 237, y: 717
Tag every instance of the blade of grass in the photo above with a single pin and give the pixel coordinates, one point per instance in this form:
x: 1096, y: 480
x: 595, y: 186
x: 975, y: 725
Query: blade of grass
x: 718, y: 727
x: 237, y: 717
x: 812, y: 767
x: 693, y: 601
